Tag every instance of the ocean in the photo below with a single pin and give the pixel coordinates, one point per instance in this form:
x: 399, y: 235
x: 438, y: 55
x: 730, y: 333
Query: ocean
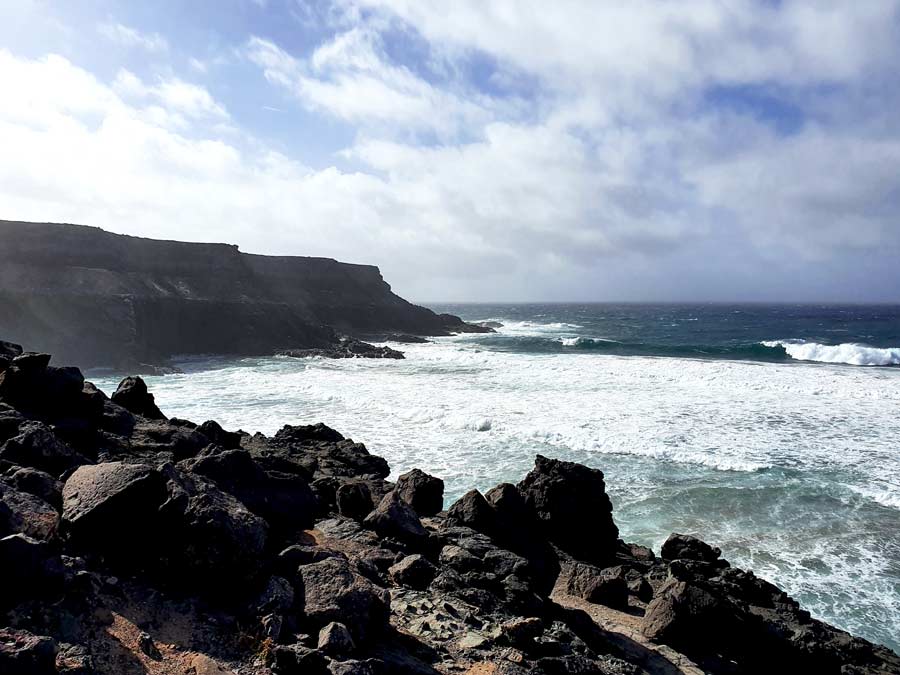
x: 772, y: 432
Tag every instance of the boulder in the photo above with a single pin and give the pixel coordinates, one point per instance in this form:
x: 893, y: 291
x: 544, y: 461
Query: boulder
x: 393, y: 517
x: 26, y: 513
x: 116, y: 419
x: 277, y: 597
x: 571, y: 503
x: 423, y: 492
x: 212, y: 539
x: 332, y: 591
x: 38, y: 447
x: 77, y: 660
x: 132, y: 395
x: 48, y: 393
x: 354, y: 499
x: 414, y: 571
x: 607, y: 587
x: 151, y: 436
x: 22, y: 653
x: 31, y: 362
x: 111, y: 503
x: 472, y: 510
x: 521, y: 631
x: 295, y: 659
x: 284, y: 500
x: 691, y: 618
x: 335, y: 640
x: 296, y: 555
x: 686, y: 547
x: 326, y: 452
x: 230, y: 440
x: 39, y: 484
x: 10, y: 421
x: 36, y: 569
x: 305, y: 434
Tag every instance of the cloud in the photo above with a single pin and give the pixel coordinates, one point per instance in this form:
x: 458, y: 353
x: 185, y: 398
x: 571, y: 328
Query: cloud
x: 349, y: 77
x: 130, y: 37
x: 507, y: 149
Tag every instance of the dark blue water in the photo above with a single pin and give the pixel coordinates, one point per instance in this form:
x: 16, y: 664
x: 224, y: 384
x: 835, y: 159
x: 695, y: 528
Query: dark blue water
x: 852, y: 334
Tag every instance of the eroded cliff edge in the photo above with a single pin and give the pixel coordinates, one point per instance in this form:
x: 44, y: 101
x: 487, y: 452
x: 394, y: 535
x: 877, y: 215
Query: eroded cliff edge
x: 94, y: 298
x: 135, y: 544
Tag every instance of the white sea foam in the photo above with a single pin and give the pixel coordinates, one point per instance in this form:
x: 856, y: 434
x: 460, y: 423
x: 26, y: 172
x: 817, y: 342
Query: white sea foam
x: 536, y: 327
x: 580, y: 340
x: 848, y: 352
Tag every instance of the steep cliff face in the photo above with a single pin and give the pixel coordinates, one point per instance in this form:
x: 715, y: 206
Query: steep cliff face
x: 100, y: 299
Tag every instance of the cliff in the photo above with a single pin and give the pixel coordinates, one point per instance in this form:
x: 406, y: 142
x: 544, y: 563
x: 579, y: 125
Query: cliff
x: 133, y: 544
x: 94, y: 298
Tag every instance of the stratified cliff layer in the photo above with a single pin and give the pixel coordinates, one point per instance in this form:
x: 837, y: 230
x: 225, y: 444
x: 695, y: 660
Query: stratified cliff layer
x: 95, y: 298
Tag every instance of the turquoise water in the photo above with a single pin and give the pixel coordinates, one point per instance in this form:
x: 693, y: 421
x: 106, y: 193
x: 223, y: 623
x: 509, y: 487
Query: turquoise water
x: 787, y: 457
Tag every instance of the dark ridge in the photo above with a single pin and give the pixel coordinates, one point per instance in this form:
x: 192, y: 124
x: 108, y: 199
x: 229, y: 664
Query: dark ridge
x: 94, y: 298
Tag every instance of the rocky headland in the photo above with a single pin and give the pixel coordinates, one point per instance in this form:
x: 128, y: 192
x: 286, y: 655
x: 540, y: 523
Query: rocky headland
x: 135, y: 543
x: 97, y: 299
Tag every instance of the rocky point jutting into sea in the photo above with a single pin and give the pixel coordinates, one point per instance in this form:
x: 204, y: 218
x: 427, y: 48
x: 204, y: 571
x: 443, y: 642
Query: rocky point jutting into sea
x: 94, y: 298
x: 136, y: 543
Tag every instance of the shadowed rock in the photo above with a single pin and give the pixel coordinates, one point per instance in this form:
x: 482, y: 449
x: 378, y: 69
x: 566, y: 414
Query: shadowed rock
x: 284, y: 500
x: 393, y: 517
x: 414, y: 571
x: 36, y: 569
x: 684, y: 546
x: 354, y: 500
x: 22, y: 653
x: 26, y: 513
x: 423, y: 492
x: 38, y: 447
x: 571, y: 503
x: 132, y: 395
x: 333, y: 592
x: 472, y: 510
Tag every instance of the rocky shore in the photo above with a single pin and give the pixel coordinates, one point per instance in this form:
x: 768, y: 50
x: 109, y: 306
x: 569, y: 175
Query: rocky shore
x: 135, y: 543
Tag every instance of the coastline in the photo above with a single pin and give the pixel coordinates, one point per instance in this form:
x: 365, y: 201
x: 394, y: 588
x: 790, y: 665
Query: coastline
x: 309, y: 523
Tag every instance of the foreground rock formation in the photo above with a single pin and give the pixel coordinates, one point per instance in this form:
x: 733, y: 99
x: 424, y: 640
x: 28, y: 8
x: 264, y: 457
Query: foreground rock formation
x: 94, y: 298
x: 135, y: 543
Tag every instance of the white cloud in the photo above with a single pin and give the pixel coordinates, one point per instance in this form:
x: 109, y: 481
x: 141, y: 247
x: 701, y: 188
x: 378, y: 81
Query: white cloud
x: 591, y: 157
x: 131, y: 37
x: 350, y: 78
x: 175, y: 100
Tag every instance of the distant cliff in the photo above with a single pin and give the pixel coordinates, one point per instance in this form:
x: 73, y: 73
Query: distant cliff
x: 94, y: 298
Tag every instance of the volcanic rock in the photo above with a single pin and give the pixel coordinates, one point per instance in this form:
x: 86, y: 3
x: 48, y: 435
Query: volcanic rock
x: 132, y: 395
x: 333, y: 592
x: 684, y: 546
x: 22, y: 653
x: 570, y: 501
x: 38, y: 447
x: 423, y: 492
x: 393, y: 517
x: 414, y: 571
x: 354, y: 499
x: 26, y: 513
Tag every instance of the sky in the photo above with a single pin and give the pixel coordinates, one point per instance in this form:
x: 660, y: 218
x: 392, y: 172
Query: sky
x: 476, y: 150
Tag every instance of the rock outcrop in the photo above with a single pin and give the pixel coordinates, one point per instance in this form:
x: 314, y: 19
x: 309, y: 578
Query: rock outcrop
x: 133, y: 543
x: 94, y: 298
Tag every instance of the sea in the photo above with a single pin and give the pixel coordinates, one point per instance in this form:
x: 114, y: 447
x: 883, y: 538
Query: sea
x: 770, y: 431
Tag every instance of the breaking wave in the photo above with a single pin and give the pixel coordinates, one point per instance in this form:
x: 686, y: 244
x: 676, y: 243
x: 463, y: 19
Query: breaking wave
x: 848, y: 352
